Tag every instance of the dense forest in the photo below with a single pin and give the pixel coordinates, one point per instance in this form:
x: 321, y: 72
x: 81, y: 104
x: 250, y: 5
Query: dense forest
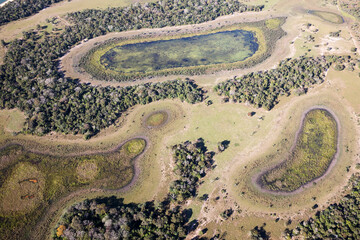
x: 262, y: 89
x: 110, y: 218
x: 191, y: 163
x: 158, y: 14
x: 18, y: 9
x: 32, y: 81
x: 338, y: 221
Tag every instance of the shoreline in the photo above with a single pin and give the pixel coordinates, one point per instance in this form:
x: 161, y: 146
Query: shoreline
x: 4, y: 3
x: 256, y: 177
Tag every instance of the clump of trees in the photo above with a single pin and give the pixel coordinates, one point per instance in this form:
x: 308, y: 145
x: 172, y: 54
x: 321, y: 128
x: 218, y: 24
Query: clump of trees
x: 18, y: 9
x: 192, y: 161
x: 158, y: 14
x: 110, y: 218
x: 262, y: 89
x: 338, y: 221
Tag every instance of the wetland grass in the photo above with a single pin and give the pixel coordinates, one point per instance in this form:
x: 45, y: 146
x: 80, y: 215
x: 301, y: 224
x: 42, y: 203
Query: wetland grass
x: 31, y: 182
x: 311, y: 156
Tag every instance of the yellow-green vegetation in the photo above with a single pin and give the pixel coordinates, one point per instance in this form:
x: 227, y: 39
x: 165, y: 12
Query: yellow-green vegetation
x: 15, y: 121
x: 265, y: 36
x: 87, y: 170
x: 22, y: 191
x: 28, y: 179
x: 273, y: 23
x: 328, y: 16
x: 135, y: 146
x: 156, y: 119
x: 314, y: 150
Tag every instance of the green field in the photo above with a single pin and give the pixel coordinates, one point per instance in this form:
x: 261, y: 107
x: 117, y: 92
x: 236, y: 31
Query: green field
x: 156, y: 119
x: 314, y: 150
x: 32, y: 181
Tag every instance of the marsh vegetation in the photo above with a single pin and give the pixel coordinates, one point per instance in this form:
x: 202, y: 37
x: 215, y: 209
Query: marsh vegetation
x: 31, y: 181
x: 314, y: 150
x: 206, y: 49
x: 112, y: 218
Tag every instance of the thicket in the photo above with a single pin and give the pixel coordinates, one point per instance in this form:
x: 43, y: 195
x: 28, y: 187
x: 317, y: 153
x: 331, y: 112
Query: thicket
x: 262, y: 89
x: 158, y: 14
x: 192, y: 161
x: 112, y: 219
x: 18, y: 9
x: 32, y: 81
x: 338, y: 221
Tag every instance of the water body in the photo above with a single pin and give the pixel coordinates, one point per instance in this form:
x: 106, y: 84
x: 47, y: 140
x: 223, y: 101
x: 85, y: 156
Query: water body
x: 2, y: 1
x: 214, y: 48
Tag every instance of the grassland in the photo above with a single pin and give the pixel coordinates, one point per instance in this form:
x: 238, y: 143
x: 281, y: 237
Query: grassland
x: 156, y: 119
x: 311, y: 156
x: 31, y: 181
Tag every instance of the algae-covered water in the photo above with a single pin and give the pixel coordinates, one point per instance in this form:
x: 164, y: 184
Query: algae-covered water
x: 214, y: 48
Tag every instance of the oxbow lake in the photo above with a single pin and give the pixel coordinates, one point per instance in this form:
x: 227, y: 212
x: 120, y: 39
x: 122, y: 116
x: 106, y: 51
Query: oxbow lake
x: 214, y: 48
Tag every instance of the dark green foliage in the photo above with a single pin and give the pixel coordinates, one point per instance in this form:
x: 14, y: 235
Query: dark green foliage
x: 338, y: 221
x: 158, y: 14
x: 259, y: 233
x: 31, y: 80
x: 110, y: 218
x: 192, y: 161
x: 32, y: 83
x: 18, y: 9
x: 263, y: 89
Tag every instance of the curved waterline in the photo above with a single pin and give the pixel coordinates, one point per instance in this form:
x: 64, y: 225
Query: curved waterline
x: 257, y: 181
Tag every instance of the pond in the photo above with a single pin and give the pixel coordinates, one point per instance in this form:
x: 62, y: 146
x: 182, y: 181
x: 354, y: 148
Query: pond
x: 208, y: 49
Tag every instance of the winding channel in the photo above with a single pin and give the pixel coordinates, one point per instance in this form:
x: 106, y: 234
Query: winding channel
x: 256, y: 178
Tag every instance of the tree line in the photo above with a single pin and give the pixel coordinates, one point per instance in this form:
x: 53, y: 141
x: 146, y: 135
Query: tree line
x: 338, y: 221
x: 18, y: 9
x: 263, y: 88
